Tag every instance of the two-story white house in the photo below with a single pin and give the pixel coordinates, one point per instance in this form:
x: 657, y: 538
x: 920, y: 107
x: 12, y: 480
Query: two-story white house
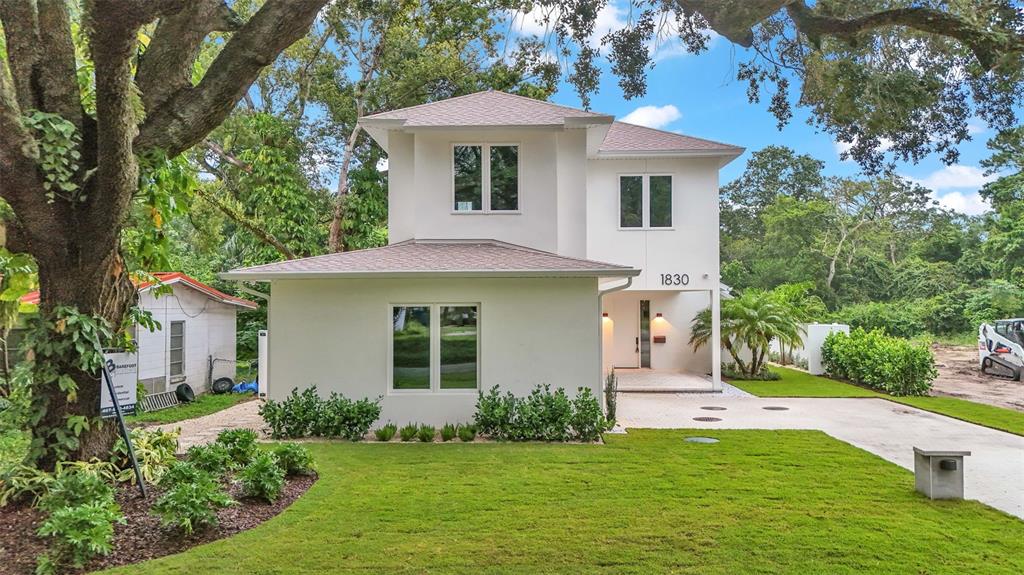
x: 529, y: 243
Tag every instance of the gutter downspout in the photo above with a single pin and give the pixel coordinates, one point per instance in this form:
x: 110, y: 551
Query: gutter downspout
x: 600, y: 329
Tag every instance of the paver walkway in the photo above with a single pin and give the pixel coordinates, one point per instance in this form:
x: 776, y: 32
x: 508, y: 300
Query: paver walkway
x: 205, y: 429
x: 993, y: 474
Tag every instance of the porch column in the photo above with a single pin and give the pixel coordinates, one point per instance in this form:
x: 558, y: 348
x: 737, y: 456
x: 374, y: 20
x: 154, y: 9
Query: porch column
x: 716, y: 339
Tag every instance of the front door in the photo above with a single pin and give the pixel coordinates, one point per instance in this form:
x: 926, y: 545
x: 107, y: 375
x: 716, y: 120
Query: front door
x: 643, y: 342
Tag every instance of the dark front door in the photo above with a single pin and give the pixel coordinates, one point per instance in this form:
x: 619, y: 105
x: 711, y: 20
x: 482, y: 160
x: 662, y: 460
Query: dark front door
x: 644, y: 341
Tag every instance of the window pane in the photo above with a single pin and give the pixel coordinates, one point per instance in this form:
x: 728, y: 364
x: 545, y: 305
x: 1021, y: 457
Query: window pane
x: 661, y: 201
x: 177, y: 328
x: 468, y: 178
x: 631, y: 210
x: 176, y: 356
x: 411, y: 347
x: 458, y: 347
x: 505, y: 178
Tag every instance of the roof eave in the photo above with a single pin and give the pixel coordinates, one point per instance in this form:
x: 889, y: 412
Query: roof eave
x: 577, y: 273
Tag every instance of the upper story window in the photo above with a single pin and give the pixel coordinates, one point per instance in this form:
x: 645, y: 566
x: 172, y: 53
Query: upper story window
x: 645, y: 201
x: 486, y: 177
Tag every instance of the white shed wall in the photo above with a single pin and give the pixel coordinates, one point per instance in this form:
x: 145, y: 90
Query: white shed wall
x: 209, y: 331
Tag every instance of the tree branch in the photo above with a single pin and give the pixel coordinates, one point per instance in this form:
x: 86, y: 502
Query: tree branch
x: 190, y: 113
x: 987, y: 49
x: 244, y: 221
x: 57, y: 82
x: 166, y: 66
x: 224, y: 155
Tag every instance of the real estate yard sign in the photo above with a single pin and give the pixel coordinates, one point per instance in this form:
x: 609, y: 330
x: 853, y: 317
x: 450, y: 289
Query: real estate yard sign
x: 123, y: 368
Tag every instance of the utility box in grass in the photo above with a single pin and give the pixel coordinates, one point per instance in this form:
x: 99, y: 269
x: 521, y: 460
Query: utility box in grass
x: 814, y: 339
x: 939, y: 474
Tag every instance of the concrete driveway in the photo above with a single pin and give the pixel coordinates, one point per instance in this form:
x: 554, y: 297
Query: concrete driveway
x: 993, y: 474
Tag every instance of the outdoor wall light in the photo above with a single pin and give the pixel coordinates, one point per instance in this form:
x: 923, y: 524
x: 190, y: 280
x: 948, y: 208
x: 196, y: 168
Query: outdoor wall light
x: 604, y: 315
x: 657, y: 315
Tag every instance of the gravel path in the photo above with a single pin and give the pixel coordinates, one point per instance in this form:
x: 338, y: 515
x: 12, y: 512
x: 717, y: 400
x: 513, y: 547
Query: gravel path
x: 204, y: 429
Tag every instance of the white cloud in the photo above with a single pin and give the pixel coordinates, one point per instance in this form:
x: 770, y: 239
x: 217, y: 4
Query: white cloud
x: 955, y: 176
x: 969, y: 203
x: 844, y: 147
x: 976, y: 126
x: 539, y: 21
x: 653, y: 116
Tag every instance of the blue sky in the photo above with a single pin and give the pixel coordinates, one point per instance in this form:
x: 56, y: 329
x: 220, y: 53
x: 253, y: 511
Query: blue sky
x: 698, y: 95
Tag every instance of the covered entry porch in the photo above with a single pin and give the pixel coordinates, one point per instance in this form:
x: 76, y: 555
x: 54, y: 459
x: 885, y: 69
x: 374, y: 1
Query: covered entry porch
x: 645, y: 339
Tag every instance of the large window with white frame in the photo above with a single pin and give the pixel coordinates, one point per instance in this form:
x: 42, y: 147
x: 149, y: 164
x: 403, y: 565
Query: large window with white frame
x: 486, y: 178
x: 645, y: 201
x: 434, y: 347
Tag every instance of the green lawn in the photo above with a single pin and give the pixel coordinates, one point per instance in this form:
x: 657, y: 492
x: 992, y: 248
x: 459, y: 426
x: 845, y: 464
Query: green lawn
x: 758, y: 502
x: 205, y: 404
x: 796, y: 383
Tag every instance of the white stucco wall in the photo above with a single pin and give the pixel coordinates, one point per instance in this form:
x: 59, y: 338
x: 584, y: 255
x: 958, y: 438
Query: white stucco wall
x: 421, y: 188
x: 335, y: 334
x: 209, y: 330
x: 690, y: 247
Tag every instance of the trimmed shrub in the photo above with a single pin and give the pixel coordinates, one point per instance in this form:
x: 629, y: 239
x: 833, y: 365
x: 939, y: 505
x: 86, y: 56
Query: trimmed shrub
x: 212, y: 458
x: 192, y: 505
x: 448, y: 432
x: 294, y: 459
x: 893, y: 365
x: 239, y: 443
x: 408, y: 432
x: 543, y: 415
x: 306, y: 414
x: 386, y: 433
x: 263, y: 478
x: 426, y: 433
x: 78, y: 534
x: 467, y: 432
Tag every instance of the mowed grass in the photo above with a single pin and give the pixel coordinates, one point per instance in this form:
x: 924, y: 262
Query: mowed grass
x: 796, y: 383
x: 204, y: 404
x: 648, y: 502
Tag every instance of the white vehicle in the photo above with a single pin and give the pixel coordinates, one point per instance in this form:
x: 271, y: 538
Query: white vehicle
x: 1001, y: 348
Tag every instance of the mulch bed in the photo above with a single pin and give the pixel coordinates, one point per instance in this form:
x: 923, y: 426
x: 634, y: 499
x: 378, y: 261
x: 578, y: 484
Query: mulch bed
x: 142, y: 537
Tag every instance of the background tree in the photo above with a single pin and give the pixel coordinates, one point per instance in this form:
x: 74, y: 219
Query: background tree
x: 76, y: 140
x: 902, y: 73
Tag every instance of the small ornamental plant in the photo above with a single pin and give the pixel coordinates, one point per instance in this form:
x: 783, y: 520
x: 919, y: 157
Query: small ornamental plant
x: 262, y: 478
x: 386, y: 432
x: 213, y: 458
x: 192, y: 505
x: 294, y: 459
x: 77, y: 534
x: 408, y: 433
x: 426, y: 433
x: 467, y: 432
x: 240, y: 444
x: 448, y: 432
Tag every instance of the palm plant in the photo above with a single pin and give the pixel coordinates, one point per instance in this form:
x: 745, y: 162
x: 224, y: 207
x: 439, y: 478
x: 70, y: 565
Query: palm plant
x: 749, y: 321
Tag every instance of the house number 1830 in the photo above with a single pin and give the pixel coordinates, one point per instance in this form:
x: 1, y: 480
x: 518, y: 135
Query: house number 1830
x: 675, y: 279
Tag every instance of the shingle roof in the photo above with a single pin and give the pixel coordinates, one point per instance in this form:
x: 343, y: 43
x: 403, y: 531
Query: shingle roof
x: 625, y: 138
x: 489, y: 108
x: 473, y: 258
x: 169, y: 278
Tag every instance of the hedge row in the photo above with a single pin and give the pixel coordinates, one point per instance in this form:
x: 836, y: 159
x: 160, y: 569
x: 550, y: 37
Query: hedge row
x: 893, y: 365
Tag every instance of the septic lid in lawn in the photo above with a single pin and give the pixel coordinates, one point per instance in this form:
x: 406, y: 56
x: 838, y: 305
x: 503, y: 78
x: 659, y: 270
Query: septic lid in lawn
x: 713, y: 408
x: 700, y: 440
x: 707, y: 419
x: 775, y: 408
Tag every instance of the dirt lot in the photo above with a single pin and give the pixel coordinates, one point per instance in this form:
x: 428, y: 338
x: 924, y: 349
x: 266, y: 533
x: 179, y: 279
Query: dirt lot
x: 960, y: 376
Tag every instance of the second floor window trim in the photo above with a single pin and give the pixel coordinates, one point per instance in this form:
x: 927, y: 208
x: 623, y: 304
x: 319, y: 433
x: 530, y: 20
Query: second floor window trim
x: 643, y: 203
x: 464, y: 201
